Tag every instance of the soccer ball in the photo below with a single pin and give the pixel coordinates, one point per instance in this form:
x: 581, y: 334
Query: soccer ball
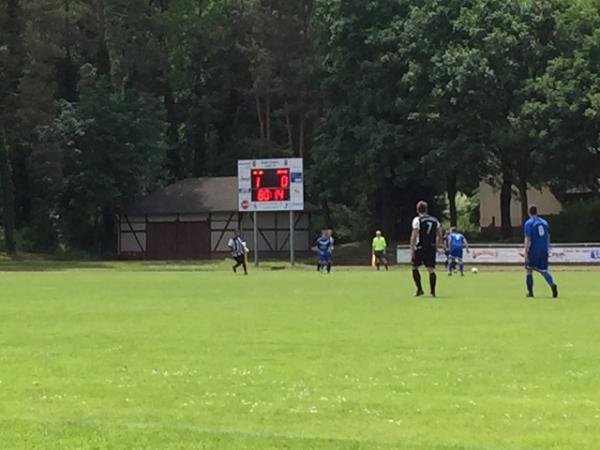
x: 475, y: 270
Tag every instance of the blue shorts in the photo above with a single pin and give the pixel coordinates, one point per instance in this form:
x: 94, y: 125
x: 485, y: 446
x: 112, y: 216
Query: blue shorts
x: 537, y: 261
x: 324, y: 257
x: 456, y: 253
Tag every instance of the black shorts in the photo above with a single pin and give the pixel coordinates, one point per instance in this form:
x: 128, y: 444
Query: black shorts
x: 425, y: 257
x: 240, y: 259
x: 379, y: 254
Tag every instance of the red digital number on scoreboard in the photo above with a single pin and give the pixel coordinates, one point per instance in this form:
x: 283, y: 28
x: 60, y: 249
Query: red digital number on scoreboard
x: 270, y: 185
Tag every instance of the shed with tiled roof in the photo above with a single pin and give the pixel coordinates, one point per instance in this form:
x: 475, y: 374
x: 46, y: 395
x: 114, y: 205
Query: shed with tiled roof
x: 194, y: 219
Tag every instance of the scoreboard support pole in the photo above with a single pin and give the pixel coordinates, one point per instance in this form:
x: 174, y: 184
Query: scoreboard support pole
x: 255, y: 220
x: 292, y: 259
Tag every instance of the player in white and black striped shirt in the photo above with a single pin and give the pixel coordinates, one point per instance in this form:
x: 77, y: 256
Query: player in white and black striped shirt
x: 238, y: 250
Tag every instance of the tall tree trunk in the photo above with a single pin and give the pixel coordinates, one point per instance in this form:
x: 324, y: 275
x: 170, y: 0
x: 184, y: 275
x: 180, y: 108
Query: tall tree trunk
x: 452, y: 191
x: 327, y: 214
x: 302, y: 135
x: 174, y: 159
x: 102, y: 53
x: 259, y: 114
x: 198, y: 161
x: 505, y: 200
x: 102, y: 19
x: 12, y: 41
x: 387, y: 209
x: 268, y: 119
x: 524, y: 198
x: 288, y: 125
x: 523, y: 170
x: 67, y: 10
x: 108, y: 234
x: 66, y: 71
x: 8, y: 197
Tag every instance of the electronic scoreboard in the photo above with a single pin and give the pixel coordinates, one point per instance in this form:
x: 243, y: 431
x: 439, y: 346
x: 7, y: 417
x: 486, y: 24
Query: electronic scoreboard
x: 271, y: 185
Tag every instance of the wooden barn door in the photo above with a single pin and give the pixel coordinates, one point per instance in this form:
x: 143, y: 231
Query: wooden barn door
x: 178, y: 240
x: 193, y: 240
x: 161, y: 240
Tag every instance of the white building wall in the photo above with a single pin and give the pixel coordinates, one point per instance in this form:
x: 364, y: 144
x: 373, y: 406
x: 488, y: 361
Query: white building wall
x: 274, y: 226
x: 129, y: 230
x: 489, y: 210
x: 129, y: 244
x: 223, y: 226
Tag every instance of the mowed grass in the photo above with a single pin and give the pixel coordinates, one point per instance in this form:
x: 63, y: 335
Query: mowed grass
x: 156, y: 359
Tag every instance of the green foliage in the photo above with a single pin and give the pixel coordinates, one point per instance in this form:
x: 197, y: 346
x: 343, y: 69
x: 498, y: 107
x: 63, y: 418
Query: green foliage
x: 442, y: 94
x: 364, y: 151
x: 353, y: 226
x: 468, y: 213
x: 11, y: 69
x: 103, y: 172
x: 7, y: 196
x: 388, y: 102
x: 577, y: 222
x: 563, y: 106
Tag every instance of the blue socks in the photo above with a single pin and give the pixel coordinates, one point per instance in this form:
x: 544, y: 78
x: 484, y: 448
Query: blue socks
x: 529, y: 282
x: 548, y: 278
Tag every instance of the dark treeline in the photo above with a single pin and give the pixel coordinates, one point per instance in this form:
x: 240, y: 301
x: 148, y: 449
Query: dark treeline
x: 388, y: 101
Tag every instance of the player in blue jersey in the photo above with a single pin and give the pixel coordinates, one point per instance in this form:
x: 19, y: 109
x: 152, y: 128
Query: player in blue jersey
x: 324, y: 249
x: 537, y: 246
x: 456, y: 243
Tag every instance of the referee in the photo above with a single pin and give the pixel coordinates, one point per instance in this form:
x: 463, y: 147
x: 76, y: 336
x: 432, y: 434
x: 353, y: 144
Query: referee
x: 238, y: 250
x: 379, y: 248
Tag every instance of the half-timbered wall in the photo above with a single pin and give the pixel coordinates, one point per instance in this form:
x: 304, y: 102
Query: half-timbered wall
x: 151, y: 237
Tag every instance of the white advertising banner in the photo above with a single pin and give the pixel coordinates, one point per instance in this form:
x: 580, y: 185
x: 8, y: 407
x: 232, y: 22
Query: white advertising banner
x: 513, y: 254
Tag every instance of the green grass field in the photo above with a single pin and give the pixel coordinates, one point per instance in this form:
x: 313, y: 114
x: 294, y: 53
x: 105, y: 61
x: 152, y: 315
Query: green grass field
x: 99, y: 356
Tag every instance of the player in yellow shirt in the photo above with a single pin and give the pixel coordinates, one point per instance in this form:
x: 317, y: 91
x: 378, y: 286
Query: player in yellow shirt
x: 379, y: 247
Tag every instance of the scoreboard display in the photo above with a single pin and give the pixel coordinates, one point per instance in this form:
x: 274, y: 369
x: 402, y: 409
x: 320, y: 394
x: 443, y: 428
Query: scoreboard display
x: 271, y: 185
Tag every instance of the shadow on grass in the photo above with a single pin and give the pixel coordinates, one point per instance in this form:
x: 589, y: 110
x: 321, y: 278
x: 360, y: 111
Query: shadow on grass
x: 47, y: 264
x: 41, y: 264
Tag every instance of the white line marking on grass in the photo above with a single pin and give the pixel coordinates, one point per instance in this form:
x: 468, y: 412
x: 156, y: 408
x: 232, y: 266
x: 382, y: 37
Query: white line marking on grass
x: 202, y: 429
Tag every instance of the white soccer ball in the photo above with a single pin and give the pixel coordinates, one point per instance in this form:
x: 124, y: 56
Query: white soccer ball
x: 475, y: 270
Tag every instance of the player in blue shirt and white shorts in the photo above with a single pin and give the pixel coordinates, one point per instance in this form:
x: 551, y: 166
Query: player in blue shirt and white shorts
x: 537, y: 247
x: 324, y: 248
x: 455, y: 244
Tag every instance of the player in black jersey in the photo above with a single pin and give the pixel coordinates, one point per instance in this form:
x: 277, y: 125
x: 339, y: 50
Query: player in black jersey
x: 425, y: 239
